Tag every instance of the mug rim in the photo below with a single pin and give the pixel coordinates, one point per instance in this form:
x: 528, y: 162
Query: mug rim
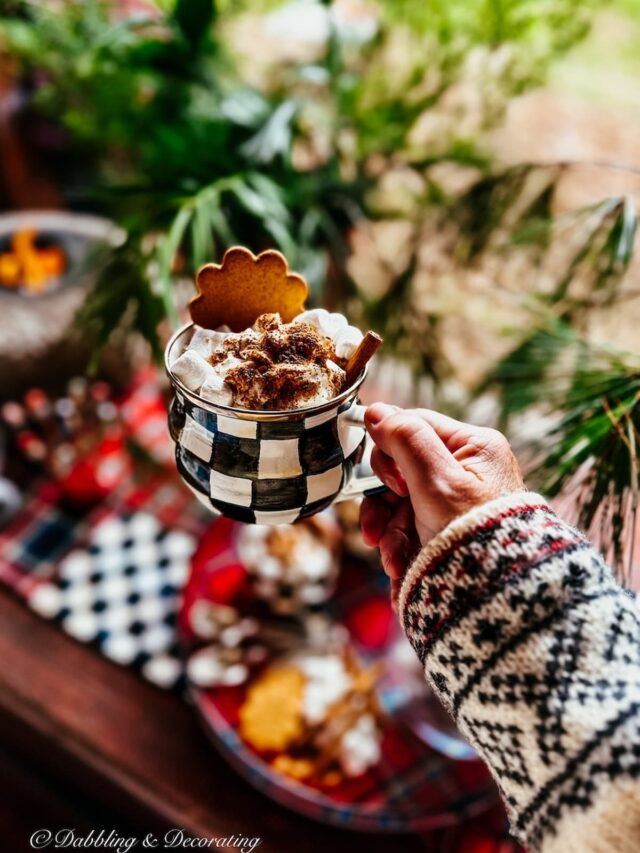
x: 252, y: 414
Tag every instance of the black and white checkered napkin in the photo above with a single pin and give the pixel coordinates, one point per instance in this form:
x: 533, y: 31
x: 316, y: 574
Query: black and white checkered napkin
x: 121, y: 593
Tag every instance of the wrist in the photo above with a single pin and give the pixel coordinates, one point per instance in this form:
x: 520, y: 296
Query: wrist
x: 473, y: 554
x: 428, y: 531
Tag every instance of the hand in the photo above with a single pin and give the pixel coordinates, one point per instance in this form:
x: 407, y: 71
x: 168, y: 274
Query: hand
x: 437, y: 468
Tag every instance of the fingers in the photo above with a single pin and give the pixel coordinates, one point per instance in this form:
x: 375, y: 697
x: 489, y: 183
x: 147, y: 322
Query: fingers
x: 386, y: 469
x: 375, y: 513
x: 396, y: 585
x: 454, y: 434
x: 414, y: 446
x: 388, y: 523
x: 398, y: 543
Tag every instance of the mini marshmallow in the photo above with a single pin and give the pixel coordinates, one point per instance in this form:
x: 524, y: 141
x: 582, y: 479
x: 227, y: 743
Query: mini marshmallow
x: 232, y: 636
x: 204, y: 668
x: 235, y: 675
x: 335, y: 324
x: 215, y: 391
x: 317, y: 564
x: 204, y: 341
x: 347, y: 341
x: 269, y: 567
x: 360, y: 747
x: 191, y: 369
x: 314, y: 317
x: 327, y: 682
x: 313, y: 594
x: 328, y: 324
x: 333, y: 366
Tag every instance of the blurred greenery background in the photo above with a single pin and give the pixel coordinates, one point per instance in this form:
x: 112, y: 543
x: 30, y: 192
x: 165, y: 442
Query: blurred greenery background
x: 460, y: 175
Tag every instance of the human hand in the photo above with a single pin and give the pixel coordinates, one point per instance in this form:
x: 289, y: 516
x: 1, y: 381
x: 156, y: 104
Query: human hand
x: 436, y: 468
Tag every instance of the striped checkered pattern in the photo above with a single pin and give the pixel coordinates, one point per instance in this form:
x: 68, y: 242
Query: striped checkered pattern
x: 265, y: 472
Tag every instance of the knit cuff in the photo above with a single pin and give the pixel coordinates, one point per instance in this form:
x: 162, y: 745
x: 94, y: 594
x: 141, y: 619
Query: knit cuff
x: 471, y: 558
x: 535, y: 651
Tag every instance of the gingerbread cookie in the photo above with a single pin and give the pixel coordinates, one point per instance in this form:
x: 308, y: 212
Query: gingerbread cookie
x: 236, y: 292
x: 271, y: 718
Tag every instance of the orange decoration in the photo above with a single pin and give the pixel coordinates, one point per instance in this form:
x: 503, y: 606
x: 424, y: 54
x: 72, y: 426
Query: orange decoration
x: 28, y: 266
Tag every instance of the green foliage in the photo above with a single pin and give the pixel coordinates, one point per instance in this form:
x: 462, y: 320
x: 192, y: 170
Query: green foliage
x: 165, y: 135
x: 590, y: 453
x: 542, y: 26
x: 591, y: 393
x: 122, y: 296
x: 194, y: 18
x: 597, y: 258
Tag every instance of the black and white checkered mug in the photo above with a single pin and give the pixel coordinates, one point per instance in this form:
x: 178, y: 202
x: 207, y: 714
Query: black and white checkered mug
x: 268, y: 467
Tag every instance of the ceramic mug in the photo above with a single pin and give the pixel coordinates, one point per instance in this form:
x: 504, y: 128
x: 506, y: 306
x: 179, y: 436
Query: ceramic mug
x: 268, y: 467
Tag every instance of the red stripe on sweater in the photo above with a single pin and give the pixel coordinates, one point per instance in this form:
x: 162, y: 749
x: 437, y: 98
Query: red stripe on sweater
x: 486, y: 525
x: 516, y: 567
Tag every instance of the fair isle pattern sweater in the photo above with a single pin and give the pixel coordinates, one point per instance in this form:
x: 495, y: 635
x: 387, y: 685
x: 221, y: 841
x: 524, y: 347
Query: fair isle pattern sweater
x: 535, y: 651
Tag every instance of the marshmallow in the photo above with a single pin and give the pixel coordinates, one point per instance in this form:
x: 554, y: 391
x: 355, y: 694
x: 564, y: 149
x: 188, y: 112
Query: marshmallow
x: 215, y: 391
x: 313, y: 594
x: 327, y: 681
x: 204, y: 341
x: 314, y: 317
x: 328, y: 324
x: 232, y: 636
x: 360, y: 747
x: 269, y: 567
x: 315, y: 564
x: 347, y: 340
x: 235, y: 674
x: 204, y: 668
x: 191, y: 369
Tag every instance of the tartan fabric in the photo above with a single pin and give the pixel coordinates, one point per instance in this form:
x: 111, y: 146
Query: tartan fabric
x: 72, y: 567
x: 34, y: 541
x: 27, y: 565
x: 413, y: 787
x: 111, y: 577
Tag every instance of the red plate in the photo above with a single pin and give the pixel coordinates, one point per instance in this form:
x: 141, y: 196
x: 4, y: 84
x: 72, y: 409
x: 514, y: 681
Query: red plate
x: 414, y: 787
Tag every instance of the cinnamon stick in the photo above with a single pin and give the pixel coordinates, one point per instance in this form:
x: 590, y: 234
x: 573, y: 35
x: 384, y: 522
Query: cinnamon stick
x: 362, y: 354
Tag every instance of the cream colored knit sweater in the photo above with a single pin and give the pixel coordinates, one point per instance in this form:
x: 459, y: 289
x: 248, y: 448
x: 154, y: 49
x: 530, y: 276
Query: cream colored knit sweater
x: 535, y: 651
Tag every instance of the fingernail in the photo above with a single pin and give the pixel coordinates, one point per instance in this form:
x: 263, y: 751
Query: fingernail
x: 378, y: 412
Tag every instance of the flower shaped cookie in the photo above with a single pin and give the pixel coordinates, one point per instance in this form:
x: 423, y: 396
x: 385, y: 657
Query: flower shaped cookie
x: 236, y: 292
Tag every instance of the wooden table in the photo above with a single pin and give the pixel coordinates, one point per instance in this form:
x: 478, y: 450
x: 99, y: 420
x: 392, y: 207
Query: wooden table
x: 84, y: 742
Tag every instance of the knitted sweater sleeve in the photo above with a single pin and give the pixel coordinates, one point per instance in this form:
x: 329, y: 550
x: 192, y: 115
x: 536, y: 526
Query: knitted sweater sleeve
x: 535, y: 651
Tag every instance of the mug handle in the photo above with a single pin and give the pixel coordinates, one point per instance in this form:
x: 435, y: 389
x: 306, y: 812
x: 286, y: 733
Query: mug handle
x: 365, y: 485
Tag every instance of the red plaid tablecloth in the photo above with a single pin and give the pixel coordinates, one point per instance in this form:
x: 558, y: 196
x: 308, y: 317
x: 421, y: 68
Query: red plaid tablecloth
x: 112, y: 576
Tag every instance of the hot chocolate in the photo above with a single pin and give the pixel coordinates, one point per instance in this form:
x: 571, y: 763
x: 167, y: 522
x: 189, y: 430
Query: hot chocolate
x: 272, y: 366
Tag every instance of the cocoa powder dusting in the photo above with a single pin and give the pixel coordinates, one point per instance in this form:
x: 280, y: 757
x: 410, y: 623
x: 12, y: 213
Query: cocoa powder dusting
x: 283, y: 365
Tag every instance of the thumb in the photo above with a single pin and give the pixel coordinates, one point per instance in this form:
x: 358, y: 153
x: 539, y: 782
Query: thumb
x: 414, y: 445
